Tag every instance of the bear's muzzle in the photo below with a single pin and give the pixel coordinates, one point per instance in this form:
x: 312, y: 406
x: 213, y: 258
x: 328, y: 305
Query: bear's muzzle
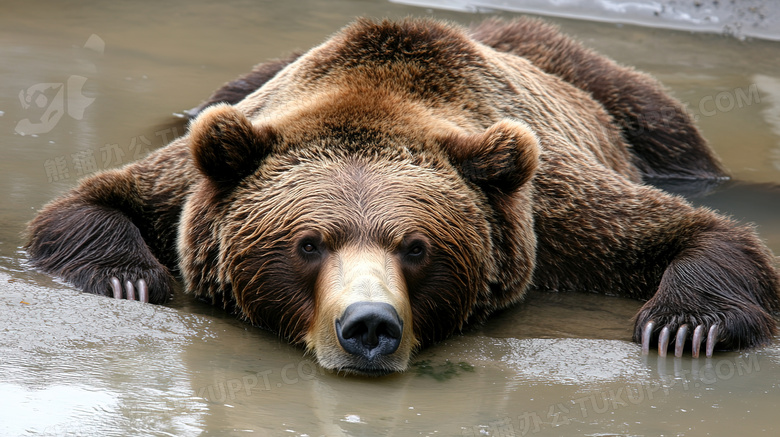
x: 363, y: 322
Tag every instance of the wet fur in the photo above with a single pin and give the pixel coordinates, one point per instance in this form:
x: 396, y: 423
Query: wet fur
x: 569, y: 213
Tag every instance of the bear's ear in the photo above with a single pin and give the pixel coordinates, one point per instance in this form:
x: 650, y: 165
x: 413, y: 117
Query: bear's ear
x: 226, y: 146
x: 504, y: 157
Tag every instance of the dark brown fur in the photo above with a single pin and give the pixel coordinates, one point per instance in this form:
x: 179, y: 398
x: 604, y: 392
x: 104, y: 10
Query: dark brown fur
x: 517, y: 167
x: 664, y: 140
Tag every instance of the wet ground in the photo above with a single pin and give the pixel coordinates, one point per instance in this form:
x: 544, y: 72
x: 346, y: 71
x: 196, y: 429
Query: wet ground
x: 94, y: 86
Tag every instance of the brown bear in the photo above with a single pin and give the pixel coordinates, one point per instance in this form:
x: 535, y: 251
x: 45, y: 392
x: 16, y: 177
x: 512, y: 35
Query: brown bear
x: 404, y: 179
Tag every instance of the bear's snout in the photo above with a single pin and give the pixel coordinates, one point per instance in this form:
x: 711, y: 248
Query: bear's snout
x: 369, y: 329
x: 363, y: 321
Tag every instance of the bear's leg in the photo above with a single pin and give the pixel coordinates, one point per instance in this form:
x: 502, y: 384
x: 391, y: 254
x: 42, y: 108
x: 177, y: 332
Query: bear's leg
x: 693, y: 267
x: 87, y: 239
x: 664, y: 140
x: 719, y: 290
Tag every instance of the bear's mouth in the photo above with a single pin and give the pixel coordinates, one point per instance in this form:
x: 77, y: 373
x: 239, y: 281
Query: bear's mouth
x: 370, y: 372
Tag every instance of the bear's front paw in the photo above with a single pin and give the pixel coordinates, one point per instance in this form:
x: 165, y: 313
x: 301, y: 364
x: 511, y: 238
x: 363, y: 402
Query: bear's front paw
x: 148, y: 285
x: 732, y: 327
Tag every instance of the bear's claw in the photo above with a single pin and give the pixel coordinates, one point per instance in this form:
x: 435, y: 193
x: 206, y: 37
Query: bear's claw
x: 679, y: 340
x: 143, y: 290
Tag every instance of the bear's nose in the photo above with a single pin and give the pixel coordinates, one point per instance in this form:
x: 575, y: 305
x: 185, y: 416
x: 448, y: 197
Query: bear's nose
x: 369, y: 329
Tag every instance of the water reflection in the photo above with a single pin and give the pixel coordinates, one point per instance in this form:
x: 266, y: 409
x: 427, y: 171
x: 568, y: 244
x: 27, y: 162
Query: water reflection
x: 55, y: 409
x: 770, y: 87
x: 72, y: 363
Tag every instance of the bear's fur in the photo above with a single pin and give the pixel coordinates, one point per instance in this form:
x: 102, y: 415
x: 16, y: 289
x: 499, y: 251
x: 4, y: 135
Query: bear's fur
x: 403, y: 179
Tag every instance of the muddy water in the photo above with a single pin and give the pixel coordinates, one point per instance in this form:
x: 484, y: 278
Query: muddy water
x: 92, y: 86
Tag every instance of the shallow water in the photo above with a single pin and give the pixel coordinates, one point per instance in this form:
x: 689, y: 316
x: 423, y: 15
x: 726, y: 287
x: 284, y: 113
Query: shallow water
x: 76, y: 364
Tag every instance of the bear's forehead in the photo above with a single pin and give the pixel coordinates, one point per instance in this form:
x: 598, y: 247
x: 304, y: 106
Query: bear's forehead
x: 360, y: 197
x: 378, y: 173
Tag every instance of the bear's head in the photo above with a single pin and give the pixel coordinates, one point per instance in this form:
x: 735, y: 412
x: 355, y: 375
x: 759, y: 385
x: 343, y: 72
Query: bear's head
x: 359, y: 244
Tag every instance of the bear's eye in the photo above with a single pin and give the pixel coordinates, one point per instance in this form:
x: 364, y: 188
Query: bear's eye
x: 416, y: 251
x: 309, y: 247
